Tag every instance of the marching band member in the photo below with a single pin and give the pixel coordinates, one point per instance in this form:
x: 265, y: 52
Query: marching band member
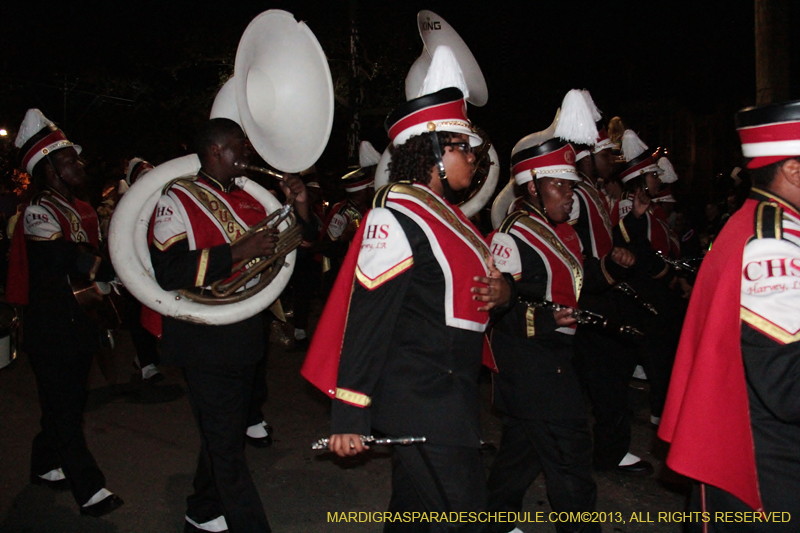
x: 343, y: 219
x: 61, y: 339
x: 194, y: 232
x: 145, y: 343
x: 400, y: 343
x: 604, y: 360
x: 733, y: 409
x: 643, y: 231
x: 545, y: 427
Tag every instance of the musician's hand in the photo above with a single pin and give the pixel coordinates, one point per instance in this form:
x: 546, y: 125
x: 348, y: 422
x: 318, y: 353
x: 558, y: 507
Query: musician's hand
x: 293, y: 187
x: 622, y: 257
x: 496, y: 293
x: 346, y: 444
x: 641, y: 201
x: 260, y: 244
x: 564, y: 318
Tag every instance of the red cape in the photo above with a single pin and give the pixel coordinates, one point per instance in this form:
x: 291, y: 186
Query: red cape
x: 17, y: 282
x: 707, y: 414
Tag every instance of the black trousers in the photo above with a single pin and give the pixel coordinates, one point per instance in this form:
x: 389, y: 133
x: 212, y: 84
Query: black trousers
x: 305, y: 281
x: 428, y: 478
x: 220, y: 397
x: 260, y: 391
x: 604, y: 365
x: 562, y: 449
x: 145, y: 343
x: 61, y: 380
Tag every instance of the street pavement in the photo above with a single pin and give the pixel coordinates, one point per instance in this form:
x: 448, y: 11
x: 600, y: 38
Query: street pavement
x: 145, y: 441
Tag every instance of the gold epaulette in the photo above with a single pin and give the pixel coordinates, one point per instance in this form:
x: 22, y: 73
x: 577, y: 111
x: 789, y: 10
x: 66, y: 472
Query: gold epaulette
x: 510, y: 220
x: 768, y: 221
x: 379, y: 200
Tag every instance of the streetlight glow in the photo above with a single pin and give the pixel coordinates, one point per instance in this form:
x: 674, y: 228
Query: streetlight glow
x: 3, y: 133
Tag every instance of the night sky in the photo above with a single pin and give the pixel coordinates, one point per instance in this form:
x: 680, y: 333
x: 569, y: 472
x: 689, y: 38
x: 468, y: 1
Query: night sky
x: 141, y: 74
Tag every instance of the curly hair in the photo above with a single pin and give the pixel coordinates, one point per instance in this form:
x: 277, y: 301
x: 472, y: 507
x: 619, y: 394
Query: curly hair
x: 413, y: 160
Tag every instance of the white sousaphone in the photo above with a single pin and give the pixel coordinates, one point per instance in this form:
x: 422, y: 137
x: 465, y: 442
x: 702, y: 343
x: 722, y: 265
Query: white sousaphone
x: 282, y: 96
x: 505, y: 198
x: 435, y: 32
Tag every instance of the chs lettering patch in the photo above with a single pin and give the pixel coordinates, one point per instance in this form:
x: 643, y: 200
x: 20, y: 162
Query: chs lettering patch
x: 385, y: 251
x: 771, y: 288
x: 506, y: 255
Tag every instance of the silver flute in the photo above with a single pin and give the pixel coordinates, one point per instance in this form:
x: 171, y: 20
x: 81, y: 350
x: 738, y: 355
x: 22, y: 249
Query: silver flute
x: 322, y: 444
x: 582, y: 316
x: 262, y: 170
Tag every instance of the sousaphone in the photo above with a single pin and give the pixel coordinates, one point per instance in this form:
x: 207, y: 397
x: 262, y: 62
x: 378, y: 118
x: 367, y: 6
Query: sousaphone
x: 282, y: 96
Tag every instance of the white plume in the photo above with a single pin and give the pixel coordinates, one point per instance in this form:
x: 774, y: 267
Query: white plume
x: 576, y: 123
x: 668, y: 174
x: 596, y: 114
x: 632, y: 145
x: 368, y: 156
x: 444, y: 72
x: 32, y: 124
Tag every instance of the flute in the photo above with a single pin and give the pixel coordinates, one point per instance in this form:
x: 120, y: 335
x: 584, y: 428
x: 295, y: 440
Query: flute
x: 322, y: 444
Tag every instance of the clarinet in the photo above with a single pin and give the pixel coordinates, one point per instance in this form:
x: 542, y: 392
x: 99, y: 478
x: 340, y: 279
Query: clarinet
x: 678, y: 264
x: 627, y: 290
x: 582, y: 316
x: 322, y: 444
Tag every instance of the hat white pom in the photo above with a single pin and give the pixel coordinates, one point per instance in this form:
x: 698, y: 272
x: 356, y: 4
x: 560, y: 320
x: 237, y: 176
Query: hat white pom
x: 33, y: 123
x: 368, y: 156
x: 444, y: 72
x: 632, y: 145
x: 576, y: 123
x: 596, y: 114
x: 668, y: 174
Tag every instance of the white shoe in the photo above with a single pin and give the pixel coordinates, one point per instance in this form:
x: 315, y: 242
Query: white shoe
x: 655, y: 420
x: 216, y: 525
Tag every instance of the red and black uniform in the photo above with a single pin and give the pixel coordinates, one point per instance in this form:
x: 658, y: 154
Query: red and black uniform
x: 194, y: 223
x: 60, y: 338
x: 651, y: 278
x: 604, y: 360
x: 342, y: 216
x: 400, y: 344
x: 733, y: 409
x: 545, y: 425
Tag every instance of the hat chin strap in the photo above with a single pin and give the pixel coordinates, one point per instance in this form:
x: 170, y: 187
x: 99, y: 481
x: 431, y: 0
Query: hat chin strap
x: 448, y: 193
x: 54, y: 168
x: 541, y: 202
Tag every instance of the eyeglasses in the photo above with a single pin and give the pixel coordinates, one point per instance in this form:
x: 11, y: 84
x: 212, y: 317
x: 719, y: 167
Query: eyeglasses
x: 463, y: 146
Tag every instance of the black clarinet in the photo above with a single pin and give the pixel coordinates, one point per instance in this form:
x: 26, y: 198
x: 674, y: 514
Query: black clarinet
x: 582, y: 316
x: 678, y: 264
x: 627, y: 290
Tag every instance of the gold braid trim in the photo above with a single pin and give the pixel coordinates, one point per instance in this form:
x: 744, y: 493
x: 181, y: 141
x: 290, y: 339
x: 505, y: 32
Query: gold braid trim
x: 445, y: 213
x: 353, y: 397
